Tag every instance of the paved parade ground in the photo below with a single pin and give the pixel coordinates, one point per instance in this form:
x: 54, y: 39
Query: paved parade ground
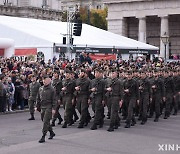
x: 20, y: 136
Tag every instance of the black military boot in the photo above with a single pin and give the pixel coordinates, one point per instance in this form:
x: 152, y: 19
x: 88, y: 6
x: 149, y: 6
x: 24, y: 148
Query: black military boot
x: 166, y: 115
x: 52, y: 134
x: 140, y: 118
x: 86, y: 123
x: 60, y: 121
x: 64, y: 125
x: 32, y: 117
x: 80, y: 125
x: 128, y: 125
x: 53, y: 122
x: 175, y: 112
x: 143, y: 122
x: 150, y: 115
x: 42, y: 140
x: 117, y: 124
x: 133, y: 122
x: 110, y: 129
x: 94, y: 127
x: 76, y: 117
x: 156, y: 119
x: 101, y: 124
x: 71, y: 123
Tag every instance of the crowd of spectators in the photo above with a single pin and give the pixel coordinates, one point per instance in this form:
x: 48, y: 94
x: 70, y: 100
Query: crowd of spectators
x: 15, y: 75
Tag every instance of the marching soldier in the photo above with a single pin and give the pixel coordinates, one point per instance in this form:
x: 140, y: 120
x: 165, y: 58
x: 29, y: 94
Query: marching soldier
x: 116, y: 97
x: 177, y: 91
x: 124, y: 107
x: 82, y: 95
x: 74, y: 105
x: 47, y: 102
x: 158, y: 94
x: 57, y: 84
x: 131, y: 89
x: 68, y: 99
x: 136, y: 77
x: 107, y: 96
x: 33, y: 91
x: 170, y: 93
x: 145, y: 96
x: 97, y: 91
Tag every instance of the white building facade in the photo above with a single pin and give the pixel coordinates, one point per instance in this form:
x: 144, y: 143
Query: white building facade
x: 147, y: 21
x: 55, y: 4
x: 44, y: 9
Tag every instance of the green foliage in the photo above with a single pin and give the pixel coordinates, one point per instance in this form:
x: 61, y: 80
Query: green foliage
x: 64, y: 16
x: 94, y: 17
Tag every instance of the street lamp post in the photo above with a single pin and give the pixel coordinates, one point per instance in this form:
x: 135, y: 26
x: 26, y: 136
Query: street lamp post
x: 165, y: 40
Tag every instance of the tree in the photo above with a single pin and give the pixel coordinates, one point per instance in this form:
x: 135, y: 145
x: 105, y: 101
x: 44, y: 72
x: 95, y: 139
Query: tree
x: 98, y: 18
x: 64, y: 16
x: 94, y: 17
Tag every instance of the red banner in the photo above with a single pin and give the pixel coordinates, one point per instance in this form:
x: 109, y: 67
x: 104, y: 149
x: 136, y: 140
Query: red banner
x: 1, y: 52
x: 24, y: 52
x: 103, y: 57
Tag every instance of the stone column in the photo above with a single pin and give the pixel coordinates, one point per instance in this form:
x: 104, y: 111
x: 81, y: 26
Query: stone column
x: 117, y: 26
x: 142, y: 30
x: 164, y: 29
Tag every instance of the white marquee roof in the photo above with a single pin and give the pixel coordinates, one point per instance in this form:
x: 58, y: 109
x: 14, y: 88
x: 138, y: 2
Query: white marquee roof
x: 28, y: 32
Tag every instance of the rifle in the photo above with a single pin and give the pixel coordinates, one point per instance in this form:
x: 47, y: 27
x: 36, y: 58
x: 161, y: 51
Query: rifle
x: 66, y: 85
x: 92, y: 95
x: 109, y: 93
x: 77, y: 92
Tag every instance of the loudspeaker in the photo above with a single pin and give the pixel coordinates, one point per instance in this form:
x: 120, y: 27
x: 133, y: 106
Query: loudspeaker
x: 64, y: 40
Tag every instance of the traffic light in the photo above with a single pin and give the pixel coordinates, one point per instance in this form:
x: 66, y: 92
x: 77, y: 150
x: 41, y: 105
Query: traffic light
x: 77, y: 28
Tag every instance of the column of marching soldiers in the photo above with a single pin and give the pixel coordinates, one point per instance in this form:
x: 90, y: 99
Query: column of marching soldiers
x: 127, y: 94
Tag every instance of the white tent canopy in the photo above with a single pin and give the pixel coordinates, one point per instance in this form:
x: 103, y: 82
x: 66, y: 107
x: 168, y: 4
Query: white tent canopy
x: 37, y: 33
